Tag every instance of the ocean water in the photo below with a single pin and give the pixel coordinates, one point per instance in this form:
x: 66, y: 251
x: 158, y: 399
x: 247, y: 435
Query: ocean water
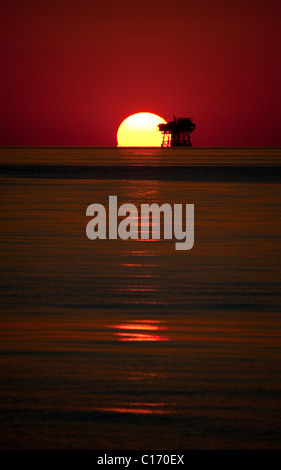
x: 131, y: 344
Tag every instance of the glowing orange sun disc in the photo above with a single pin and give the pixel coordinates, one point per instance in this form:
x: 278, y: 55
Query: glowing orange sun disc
x: 140, y: 130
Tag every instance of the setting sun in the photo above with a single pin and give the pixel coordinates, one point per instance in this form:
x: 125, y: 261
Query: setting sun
x: 140, y: 130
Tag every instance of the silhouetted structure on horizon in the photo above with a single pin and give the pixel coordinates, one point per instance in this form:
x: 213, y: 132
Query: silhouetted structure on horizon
x: 176, y: 133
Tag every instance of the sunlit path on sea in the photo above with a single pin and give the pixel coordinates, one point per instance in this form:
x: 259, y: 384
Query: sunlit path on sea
x: 111, y: 344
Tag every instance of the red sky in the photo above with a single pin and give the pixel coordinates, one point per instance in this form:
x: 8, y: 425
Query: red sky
x: 71, y: 71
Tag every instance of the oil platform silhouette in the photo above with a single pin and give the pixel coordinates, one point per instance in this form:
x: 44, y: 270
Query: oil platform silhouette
x: 176, y: 133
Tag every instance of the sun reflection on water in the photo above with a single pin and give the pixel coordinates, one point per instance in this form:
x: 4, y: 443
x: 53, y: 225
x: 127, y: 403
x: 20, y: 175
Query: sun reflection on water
x: 138, y: 408
x: 140, y: 330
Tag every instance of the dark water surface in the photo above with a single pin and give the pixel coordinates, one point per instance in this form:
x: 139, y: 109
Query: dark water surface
x: 114, y: 344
